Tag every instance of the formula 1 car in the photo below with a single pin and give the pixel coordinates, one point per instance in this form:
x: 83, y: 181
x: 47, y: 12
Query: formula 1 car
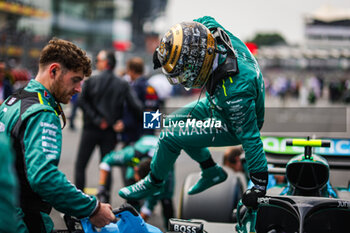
x: 315, y: 197
x: 308, y: 203
x: 295, y: 159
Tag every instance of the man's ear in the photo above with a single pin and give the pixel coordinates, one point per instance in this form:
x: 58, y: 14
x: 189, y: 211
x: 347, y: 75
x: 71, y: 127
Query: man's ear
x: 53, y: 69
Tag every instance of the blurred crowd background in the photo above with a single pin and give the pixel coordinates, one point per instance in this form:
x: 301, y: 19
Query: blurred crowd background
x: 317, y: 68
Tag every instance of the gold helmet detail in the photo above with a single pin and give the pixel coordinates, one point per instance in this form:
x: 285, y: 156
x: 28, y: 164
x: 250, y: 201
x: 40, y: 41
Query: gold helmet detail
x: 186, y: 54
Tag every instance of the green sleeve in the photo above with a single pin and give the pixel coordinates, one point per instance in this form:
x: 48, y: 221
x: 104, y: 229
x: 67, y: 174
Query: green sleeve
x: 243, y: 121
x: 8, y: 184
x: 208, y: 21
x: 242, y: 98
x: 42, y: 142
x: 240, y: 48
x: 120, y: 158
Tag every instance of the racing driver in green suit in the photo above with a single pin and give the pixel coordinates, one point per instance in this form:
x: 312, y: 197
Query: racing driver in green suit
x: 202, y: 54
x: 31, y: 118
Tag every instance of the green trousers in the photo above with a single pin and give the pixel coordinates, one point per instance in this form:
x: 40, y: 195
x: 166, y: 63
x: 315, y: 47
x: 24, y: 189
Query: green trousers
x: 192, y: 139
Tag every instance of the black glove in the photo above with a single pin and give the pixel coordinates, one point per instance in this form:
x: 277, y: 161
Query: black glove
x: 103, y: 194
x: 250, y: 197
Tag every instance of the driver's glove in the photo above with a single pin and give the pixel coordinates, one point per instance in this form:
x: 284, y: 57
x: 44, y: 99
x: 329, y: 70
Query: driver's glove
x: 250, y: 197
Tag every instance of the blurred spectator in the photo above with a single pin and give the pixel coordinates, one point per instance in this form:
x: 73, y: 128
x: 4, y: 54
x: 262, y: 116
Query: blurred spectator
x: 303, y: 97
x: 162, y: 86
x: 312, y: 98
x: 232, y: 159
x: 280, y: 179
x: 74, y: 108
x: 295, y: 88
x: 281, y: 86
x: 133, y: 127
x: 346, y: 96
x: 18, y: 74
x: 314, y: 87
x: 335, y: 91
x: 5, y: 85
x: 321, y: 82
x: 102, y: 100
x: 21, y: 77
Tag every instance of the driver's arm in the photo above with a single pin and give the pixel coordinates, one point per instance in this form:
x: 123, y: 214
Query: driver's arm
x: 243, y: 121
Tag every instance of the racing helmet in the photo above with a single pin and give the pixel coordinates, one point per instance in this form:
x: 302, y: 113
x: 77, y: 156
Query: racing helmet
x: 186, y: 54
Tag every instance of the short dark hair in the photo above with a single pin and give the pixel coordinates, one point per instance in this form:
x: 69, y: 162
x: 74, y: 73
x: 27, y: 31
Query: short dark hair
x: 231, y: 154
x: 67, y: 54
x: 136, y: 64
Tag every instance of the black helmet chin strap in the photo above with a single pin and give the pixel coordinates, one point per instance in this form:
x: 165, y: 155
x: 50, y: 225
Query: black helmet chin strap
x: 230, y: 63
x: 229, y: 67
x: 222, y: 38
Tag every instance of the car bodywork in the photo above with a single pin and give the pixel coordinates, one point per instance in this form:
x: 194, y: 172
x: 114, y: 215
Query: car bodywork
x: 310, y: 202
x: 315, y: 197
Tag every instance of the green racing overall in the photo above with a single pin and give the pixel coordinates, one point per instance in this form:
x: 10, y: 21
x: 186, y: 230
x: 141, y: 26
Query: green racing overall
x: 238, y: 103
x: 232, y: 113
x: 8, y: 184
x: 31, y: 118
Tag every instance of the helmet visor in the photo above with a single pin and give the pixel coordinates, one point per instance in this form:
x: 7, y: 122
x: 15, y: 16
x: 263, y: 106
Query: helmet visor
x: 175, y: 78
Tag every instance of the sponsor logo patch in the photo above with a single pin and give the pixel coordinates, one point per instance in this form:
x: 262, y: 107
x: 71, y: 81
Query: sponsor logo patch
x: 2, y: 127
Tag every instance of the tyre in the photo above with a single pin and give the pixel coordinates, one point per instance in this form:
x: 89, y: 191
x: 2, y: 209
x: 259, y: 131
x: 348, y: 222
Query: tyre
x: 215, y: 204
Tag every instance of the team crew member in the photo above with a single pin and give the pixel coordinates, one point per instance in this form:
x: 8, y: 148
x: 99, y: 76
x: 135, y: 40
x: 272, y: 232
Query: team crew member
x: 31, y: 117
x: 132, y: 127
x: 138, y: 159
x: 203, y: 54
x: 102, y: 101
x: 8, y: 184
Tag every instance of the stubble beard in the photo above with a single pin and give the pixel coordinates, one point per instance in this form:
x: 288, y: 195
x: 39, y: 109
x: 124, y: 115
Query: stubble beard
x: 58, y: 91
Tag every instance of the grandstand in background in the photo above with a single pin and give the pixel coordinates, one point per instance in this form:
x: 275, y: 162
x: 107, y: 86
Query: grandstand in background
x: 326, y: 47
